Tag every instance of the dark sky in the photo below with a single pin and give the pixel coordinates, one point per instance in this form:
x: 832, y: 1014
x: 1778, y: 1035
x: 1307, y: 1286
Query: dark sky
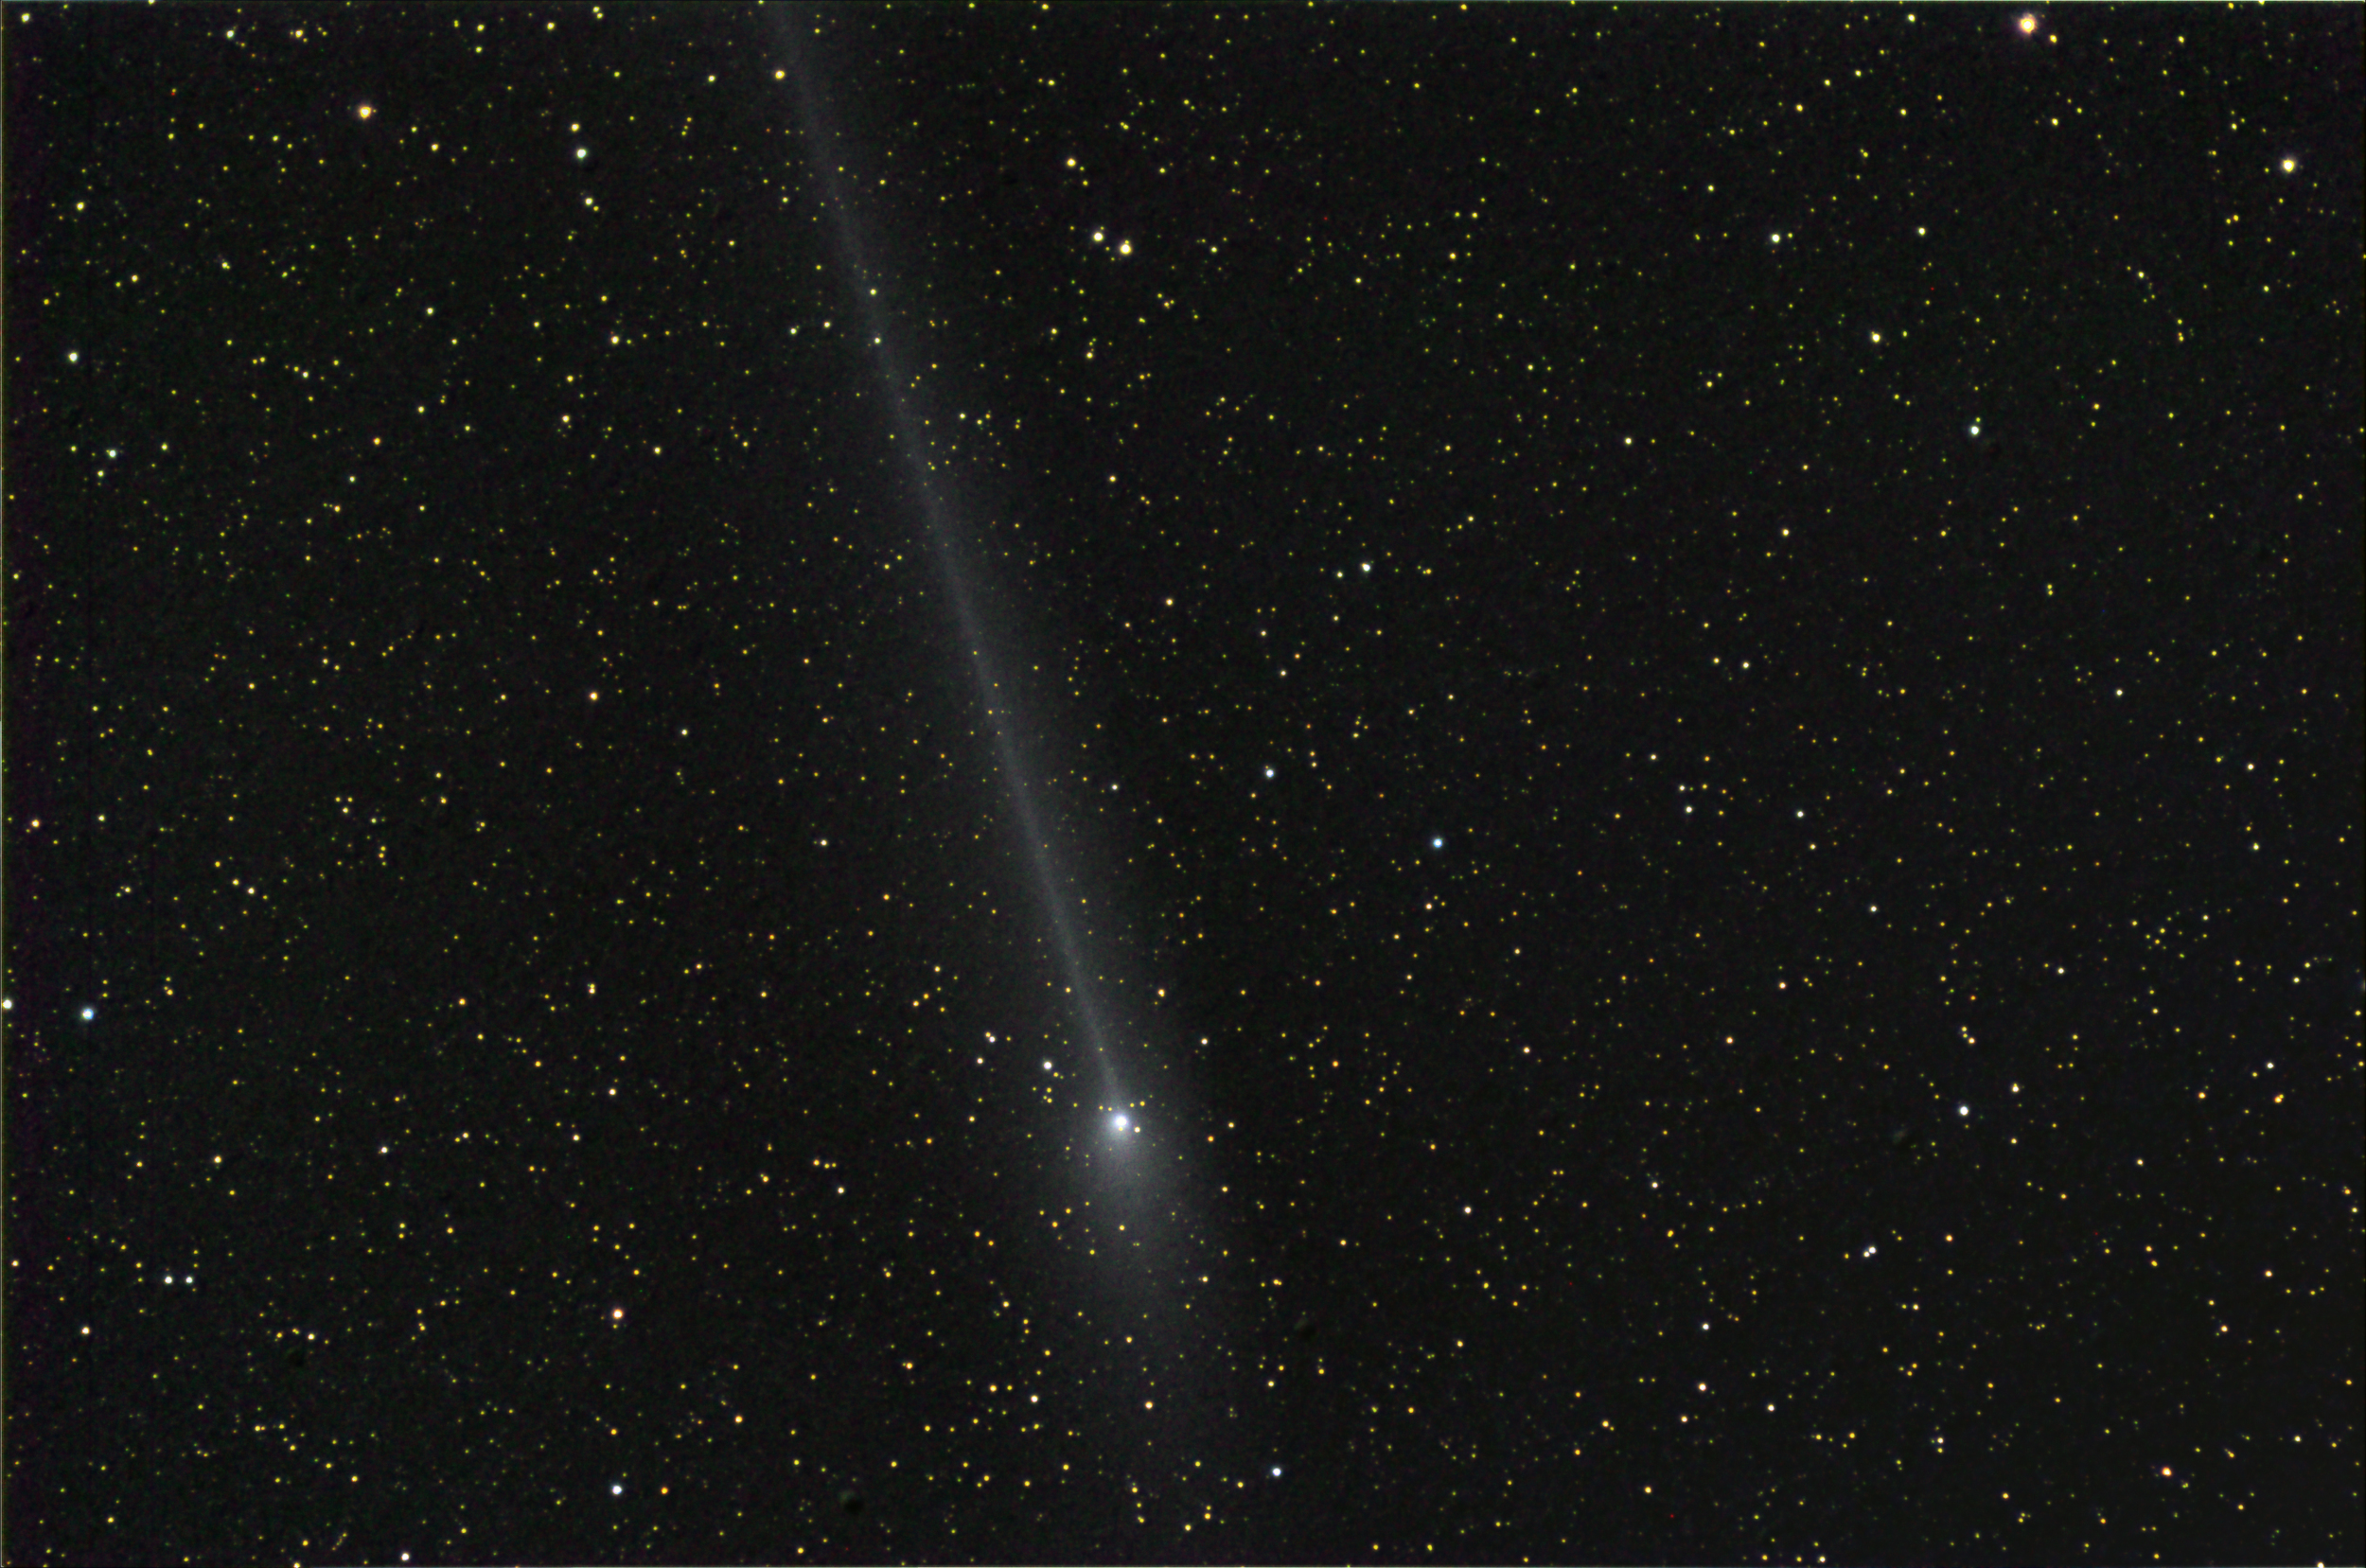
x: 1670, y: 696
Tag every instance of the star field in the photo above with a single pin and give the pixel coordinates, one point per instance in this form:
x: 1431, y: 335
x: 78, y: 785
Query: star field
x: 1360, y: 783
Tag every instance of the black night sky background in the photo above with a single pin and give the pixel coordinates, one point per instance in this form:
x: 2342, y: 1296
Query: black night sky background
x: 1669, y: 696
